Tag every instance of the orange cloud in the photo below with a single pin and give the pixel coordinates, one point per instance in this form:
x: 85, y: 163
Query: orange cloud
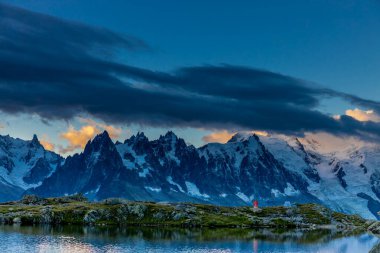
x: 78, y: 138
x: 47, y: 145
x: 361, y: 115
x: 260, y: 133
x: 224, y: 136
x: 221, y: 137
x: 113, y: 132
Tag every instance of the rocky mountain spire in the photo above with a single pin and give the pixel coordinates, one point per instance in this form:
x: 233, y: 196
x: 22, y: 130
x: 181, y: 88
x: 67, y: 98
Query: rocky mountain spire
x: 35, y: 143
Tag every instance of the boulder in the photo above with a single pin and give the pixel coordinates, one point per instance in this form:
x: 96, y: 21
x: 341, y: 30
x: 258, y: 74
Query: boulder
x: 91, y: 217
x: 17, y: 220
x: 114, y: 201
x: 46, y: 215
x: 137, y: 209
x: 375, y: 227
x: 32, y: 200
x: 159, y: 216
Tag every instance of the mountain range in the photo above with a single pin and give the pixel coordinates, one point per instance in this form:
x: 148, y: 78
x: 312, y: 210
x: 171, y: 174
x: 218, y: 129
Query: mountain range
x: 273, y: 169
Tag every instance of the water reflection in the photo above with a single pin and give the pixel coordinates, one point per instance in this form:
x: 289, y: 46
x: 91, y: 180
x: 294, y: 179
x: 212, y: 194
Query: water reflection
x: 107, y: 239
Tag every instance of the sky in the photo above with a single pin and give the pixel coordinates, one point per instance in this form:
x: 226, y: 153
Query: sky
x: 204, y: 69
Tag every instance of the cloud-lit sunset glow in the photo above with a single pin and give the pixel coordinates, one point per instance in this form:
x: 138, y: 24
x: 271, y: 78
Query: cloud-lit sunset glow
x: 224, y: 135
x: 114, y: 132
x: 361, y: 115
x: 47, y: 145
x: 78, y: 138
x: 221, y: 137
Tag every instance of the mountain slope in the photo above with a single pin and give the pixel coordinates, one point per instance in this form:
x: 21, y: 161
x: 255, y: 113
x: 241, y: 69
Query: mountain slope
x: 273, y: 169
x: 347, y: 177
x: 84, y: 172
x: 169, y: 170
x: 23, y: 164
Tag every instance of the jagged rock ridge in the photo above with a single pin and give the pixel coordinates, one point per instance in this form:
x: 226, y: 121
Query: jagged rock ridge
x: 273, y: 169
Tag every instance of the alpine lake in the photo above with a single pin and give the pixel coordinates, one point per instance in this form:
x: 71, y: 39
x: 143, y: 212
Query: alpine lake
x: 72, y: 238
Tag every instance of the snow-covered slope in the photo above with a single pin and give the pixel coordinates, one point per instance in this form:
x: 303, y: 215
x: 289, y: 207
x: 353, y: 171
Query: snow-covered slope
x: 167, y: 169
x: 348, y: 176
x: 24, y: 164
x: 273, y: 169
x: 246, y: 168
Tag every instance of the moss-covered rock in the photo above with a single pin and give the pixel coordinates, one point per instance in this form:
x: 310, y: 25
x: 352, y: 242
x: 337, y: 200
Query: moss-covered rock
x: 32, y: 200
x: 77, y: 210
x: 374, y: 227
x: 137, y: 209
x: 92, y: 216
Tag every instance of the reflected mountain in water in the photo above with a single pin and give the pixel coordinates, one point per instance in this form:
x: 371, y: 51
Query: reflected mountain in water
x: 118, y: 239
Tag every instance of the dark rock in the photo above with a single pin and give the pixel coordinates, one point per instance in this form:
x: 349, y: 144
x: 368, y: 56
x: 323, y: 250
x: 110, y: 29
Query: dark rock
x: 92, y: 217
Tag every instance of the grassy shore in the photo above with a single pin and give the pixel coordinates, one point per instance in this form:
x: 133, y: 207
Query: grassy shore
x: 77, y: 210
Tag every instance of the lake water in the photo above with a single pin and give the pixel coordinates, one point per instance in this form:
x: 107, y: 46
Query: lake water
x: 95, y: 239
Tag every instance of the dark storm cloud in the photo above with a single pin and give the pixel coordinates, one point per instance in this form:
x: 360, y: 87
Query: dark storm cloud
x: 57, y: 69
x: 49, y: 35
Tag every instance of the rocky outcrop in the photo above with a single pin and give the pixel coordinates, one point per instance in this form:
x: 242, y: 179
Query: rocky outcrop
x: 92, y: 216
x: 118, y: 212
x: 374, y: 227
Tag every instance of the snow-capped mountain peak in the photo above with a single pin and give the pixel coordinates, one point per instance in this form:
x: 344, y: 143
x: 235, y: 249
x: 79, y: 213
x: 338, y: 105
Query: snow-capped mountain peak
x: 269, y: 168
x: 241, y: 136
x: 24, y: 164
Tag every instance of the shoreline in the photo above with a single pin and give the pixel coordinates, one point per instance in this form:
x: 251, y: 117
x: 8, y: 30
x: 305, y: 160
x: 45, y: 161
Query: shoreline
x: 76, y: 210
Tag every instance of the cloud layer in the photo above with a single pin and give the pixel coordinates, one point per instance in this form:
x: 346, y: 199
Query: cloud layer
x: 60, y: 69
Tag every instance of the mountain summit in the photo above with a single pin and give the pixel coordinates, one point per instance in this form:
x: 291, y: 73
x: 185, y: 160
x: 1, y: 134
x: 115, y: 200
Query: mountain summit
x: 271, y: 169
x: 23, y: 165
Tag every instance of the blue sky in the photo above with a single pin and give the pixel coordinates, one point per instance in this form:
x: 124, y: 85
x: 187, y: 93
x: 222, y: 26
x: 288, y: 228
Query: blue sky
x: 335, y: 44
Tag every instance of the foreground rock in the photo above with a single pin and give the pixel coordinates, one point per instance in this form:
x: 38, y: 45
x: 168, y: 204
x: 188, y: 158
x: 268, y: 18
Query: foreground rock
x: 77, y: 210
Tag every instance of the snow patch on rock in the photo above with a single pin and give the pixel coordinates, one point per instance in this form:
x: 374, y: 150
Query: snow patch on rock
x: 193, y: 190
x: 153, y: 189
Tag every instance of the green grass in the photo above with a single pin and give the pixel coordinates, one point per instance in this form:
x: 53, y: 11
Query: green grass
x: 344, y: 218
x: 315, y: 214
x: 117, y: 212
